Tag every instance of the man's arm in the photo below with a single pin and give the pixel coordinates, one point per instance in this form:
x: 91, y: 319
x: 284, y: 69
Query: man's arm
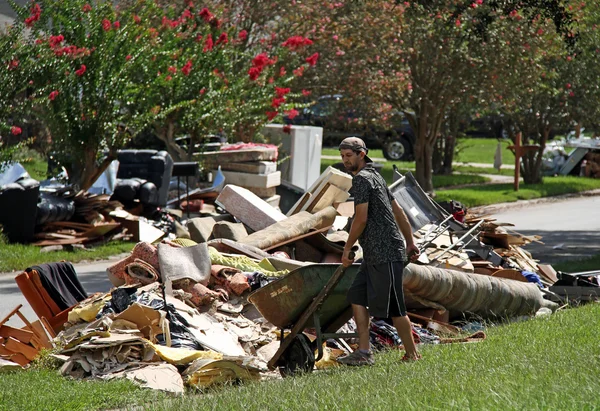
x: 402, y: 220
x: 359, y: 223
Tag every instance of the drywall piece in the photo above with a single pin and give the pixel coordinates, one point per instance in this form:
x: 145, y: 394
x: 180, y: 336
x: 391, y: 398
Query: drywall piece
x: 248, y: 207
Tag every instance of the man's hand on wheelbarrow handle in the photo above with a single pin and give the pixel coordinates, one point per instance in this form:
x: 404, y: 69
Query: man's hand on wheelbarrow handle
x: 348, y: 257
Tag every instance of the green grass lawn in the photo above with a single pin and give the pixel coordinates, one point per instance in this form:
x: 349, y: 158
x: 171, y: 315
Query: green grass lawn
x: 480, y: 195
x: 587, y: 264
x: 438, y: 181
x: 544, y: 363
x: 483, y: 170
x: 36, y: 168
x: 470, y: 150
x: 17, y: 257
x: 481, y: 150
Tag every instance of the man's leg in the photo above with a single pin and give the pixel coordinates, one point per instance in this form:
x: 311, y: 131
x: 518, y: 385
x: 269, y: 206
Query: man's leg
x: 361, y: 318
x: 404, y: 329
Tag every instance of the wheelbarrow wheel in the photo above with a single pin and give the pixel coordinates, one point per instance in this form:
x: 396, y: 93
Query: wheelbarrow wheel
x: 298, y: 358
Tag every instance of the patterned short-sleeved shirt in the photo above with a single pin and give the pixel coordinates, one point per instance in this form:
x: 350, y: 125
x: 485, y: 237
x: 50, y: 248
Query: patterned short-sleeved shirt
x: 381, y: 239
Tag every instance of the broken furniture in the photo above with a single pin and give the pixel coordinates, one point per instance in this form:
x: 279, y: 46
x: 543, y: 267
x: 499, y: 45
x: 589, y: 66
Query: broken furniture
x: 331, y: 187
x: 144, y: 175
x: 52, y: 290
x: 18, y: 209
x: 21, y: 345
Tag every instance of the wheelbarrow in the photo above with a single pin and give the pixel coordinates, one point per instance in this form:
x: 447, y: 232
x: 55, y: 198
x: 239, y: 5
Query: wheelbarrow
x: 313, y: 296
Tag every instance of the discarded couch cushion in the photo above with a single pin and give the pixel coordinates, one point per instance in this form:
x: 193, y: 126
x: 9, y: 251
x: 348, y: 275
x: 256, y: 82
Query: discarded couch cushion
x: 192, y: 263
x: 230, y: 231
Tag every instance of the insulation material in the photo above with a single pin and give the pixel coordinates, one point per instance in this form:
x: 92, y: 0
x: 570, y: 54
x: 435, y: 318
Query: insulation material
x: 291, y: 227
x: 478, y: 294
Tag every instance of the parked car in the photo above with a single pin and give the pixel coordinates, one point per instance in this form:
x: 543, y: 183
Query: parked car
x: 339, y: 121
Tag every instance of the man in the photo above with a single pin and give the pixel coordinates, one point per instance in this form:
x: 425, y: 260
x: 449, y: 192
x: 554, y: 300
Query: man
x: 378, y: 284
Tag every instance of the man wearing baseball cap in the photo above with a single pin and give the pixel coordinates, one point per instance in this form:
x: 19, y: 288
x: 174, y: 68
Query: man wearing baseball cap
x: 381, y: 227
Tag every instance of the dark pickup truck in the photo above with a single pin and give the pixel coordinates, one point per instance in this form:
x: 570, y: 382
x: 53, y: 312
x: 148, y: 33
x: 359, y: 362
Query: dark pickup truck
x: 340, y: 121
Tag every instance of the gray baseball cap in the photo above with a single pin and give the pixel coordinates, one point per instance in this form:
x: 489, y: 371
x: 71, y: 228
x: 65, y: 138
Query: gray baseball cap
x: 355, y: 144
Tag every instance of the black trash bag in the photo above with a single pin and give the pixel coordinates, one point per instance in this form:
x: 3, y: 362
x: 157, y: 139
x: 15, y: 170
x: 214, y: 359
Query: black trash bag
x: 181, y: 337
x: 121, y: 299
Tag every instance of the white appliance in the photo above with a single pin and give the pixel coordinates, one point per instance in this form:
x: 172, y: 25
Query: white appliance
x: 302, y: 145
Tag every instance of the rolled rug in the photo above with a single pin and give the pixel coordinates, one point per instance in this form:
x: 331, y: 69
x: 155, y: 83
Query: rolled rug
x: 140, y: 272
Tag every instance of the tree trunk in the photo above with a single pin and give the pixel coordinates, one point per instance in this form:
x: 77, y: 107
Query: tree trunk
x: 423, y: 164
x: 532, y: 161
x: 84, y: 171
x: 166, y: 134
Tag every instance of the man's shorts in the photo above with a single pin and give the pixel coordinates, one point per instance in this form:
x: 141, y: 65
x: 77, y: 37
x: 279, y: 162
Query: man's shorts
x: 379, y: 288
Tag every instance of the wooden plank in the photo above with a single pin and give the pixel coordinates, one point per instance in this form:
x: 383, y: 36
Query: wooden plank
x: 13, y: 312
x: 41, y: 333
x: 448, y: 327
x: 548, y: 271
x: 64, y: 241
x: 510, y: 275
x: 316, y: 197
x: 299, y: 204
x: 13, y: 356
x: 24, y: 336
x: 18, y: 347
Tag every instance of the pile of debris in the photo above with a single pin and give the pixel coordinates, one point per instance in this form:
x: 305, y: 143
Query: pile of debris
x: 180, y: 312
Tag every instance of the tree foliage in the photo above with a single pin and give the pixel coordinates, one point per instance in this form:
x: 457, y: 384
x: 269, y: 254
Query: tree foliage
x: 99, y: 74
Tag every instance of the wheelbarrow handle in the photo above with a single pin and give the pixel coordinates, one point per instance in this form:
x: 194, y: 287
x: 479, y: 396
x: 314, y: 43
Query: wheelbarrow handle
x: 307, y: 314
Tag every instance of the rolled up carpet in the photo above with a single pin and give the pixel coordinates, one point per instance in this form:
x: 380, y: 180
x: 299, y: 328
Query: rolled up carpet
x: 294, y: 226
x: 483, y: 295
x: 140, y: 272
x: 142, y: 251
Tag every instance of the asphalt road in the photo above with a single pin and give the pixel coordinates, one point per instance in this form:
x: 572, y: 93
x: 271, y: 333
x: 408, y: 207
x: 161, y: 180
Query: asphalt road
x: 570, y: 230
x: 91, y: 275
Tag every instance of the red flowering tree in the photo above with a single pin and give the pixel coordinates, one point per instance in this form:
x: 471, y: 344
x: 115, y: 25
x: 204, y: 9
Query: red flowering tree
x: 80, y: 85
x: 207, y: 80
x: 12, y: 88
x: 98, y: 74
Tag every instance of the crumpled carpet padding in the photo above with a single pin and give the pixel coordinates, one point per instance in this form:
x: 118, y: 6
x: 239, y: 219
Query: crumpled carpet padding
x: 191, y: 263
x: 473, y: 293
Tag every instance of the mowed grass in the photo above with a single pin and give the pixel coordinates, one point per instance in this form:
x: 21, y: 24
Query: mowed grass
x: 545, y: 363
x: 387, y: 172
x: 586, y: 264
x: 46, y: 389
x: 481, y: 150
x: 486, y: 194
x: 17, y: 257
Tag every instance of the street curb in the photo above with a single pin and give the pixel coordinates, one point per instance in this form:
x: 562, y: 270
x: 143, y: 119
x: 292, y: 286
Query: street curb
x: 498, y: 208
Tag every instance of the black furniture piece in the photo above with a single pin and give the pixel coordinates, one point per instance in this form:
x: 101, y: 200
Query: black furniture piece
x: 143, y: 175
x: 18, y: 209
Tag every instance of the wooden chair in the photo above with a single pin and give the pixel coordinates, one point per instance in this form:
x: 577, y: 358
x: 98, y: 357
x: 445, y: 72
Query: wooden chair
x: 41, y: 302
x: 21, y: 345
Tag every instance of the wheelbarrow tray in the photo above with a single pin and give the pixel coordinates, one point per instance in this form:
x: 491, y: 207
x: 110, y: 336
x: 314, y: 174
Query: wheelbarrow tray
x: 283, y: 301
